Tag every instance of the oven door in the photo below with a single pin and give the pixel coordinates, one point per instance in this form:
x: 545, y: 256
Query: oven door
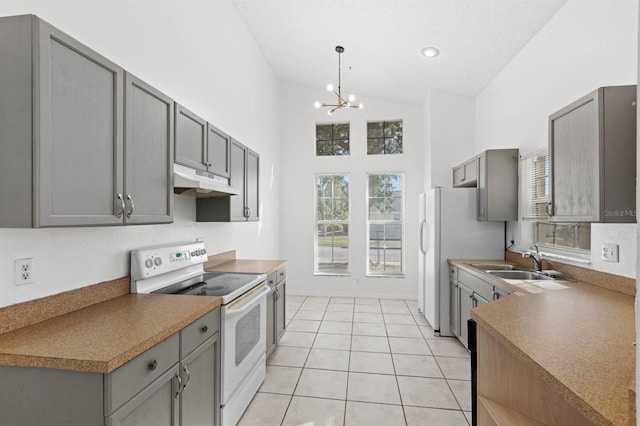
x: 244, y: 326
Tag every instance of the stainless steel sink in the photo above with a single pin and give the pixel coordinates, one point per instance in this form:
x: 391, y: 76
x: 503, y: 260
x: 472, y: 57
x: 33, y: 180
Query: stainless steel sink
x: 497, y: 266
x: 519, y: 275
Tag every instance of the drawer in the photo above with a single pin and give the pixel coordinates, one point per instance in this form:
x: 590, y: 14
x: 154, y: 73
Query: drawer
x: 453, y: 272
x: 483, y: 288
x: 135, y: 375
x: 198, y: 331
x: 271, y: 279
x: 282, y: 274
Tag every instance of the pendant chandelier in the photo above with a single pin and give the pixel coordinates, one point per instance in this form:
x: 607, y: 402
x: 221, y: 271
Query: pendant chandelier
x: 342, y: 101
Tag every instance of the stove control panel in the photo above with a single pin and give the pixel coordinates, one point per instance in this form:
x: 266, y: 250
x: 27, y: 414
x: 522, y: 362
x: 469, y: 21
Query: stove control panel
x: 150, y: 262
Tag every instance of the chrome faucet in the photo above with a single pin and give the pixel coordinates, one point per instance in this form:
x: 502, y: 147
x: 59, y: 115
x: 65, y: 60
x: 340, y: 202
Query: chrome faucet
x: 535, y: 257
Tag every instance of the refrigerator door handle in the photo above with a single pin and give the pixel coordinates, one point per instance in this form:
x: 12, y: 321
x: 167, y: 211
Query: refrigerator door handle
x: 424, y: 222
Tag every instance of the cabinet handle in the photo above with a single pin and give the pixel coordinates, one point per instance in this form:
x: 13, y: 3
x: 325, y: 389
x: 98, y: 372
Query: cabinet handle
x: 122, y: 206
x: 186, y: 370
x: 549, y: 209
x: 179, y: 385
x: 132, y: 206
x: 204, y: 328
x: 153, y: 365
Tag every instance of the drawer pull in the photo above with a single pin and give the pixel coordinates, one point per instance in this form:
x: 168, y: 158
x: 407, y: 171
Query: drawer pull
x: 204, y: 328
x: 153, y: 365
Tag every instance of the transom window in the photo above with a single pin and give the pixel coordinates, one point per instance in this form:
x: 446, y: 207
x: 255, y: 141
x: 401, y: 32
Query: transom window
x: 332, y: 139
x: 332, y: 224
x: 385, y: 223
x: 384, y: 137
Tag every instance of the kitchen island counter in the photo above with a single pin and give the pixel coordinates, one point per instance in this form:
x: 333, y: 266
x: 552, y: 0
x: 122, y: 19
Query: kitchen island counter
x: 578, y: 342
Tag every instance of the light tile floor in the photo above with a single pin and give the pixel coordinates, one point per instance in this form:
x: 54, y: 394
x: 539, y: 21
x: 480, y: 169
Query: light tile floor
x: 362, y: 361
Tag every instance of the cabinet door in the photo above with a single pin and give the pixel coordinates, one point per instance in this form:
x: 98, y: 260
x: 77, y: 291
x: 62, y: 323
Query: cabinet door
x: 237, y: 181
x: 471, y: 172
x: 574, y: 158
x: 200, y: 372
x: 155, y: 405
x: 458, y: 176
x: 271, y: 322
x: 79, y: 133
x: 148, y: 146
x: 479, y: 300
x: 454, y: 301
x: 191, y: 139
x: 466, y: 304
x: 483, y: 195
x: 280, y: 310
x: 253, y: 185
x: 218, y: 151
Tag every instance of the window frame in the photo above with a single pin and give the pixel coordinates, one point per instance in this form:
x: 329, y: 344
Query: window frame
x: 334, y: 141
x: 384, y: 145
x: 317, y: 222
x: 402, y: 222
x: 531, y: 194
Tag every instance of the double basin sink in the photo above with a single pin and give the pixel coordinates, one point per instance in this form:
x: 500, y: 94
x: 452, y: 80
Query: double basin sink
x: 514, y: 272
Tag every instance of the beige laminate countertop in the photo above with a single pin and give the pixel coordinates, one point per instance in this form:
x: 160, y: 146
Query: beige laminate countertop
x: 250, y: 266
x: 578, y: 339
x: 103, y: 336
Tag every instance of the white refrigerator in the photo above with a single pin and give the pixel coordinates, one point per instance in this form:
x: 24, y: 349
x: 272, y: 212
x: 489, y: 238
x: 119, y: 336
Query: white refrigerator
x: 449, y: 230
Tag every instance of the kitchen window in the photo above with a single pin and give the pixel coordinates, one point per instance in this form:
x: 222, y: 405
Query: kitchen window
x: 384, y: 137
x: 385, y: 224
x: 332, y: 224
x: 534, y: 190
x: 332, y: 139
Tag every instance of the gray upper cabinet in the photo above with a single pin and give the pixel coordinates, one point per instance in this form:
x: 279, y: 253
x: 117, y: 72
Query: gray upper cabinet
x: 201, y: 145
x: 466, y: 175
x: 191, y: 139
x: 148, y: 145
x: 218, y: 151
x: 244, y: 177
x: 592, y: 155
x: 498, y: 185
x: 62, y: 110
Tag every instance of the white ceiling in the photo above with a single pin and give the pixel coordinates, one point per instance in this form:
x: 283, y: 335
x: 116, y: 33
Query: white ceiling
x: 383, y: 39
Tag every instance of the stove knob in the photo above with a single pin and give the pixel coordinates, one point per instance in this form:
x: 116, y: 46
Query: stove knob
x: 158, y: 261
x: 148, y: 263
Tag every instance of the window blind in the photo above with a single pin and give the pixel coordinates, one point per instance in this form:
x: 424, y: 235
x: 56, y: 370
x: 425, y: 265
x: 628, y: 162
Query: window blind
x: 534, y: 186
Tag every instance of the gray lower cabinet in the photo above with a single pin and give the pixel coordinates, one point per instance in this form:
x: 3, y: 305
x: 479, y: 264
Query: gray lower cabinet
x: 592, y: 152
x: 244, y: 176
x: 276, y: 309
x: 172, y: 383
x: 467, y: 291
x: 62, y: 110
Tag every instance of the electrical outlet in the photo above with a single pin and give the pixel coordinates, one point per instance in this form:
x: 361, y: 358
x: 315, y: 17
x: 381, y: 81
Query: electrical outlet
x: 610, y: 253
x: 24, y: 271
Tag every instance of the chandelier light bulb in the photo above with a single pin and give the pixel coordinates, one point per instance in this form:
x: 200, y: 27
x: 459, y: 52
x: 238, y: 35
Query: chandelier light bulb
x: 330, y: 87
x: 360, y: 106
x: 317, y: 105
x: 351, y: 98
x: 430, y: 52
x: 330, y: 112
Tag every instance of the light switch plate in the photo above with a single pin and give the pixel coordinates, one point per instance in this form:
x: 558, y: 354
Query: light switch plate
x: 610, y: 253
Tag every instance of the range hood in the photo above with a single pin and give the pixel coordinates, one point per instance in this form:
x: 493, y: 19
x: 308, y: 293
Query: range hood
x: 203, y: 184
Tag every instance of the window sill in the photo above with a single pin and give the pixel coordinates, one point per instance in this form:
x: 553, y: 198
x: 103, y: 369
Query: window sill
x: 331, y: 274
x: 384, y: 275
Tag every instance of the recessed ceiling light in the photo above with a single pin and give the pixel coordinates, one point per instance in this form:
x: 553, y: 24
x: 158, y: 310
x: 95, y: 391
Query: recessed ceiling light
x: 430, y: 52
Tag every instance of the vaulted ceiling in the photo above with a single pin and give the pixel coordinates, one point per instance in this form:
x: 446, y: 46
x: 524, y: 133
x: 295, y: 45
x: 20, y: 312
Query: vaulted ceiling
x: 383, y: 40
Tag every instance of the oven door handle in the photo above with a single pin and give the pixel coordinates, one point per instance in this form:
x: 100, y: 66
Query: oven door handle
x: 246, y: 302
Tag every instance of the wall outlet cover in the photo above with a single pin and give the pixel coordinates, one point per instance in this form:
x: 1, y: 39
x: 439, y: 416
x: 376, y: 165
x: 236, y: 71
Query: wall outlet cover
x: 24, y: 273
x: 610, y: 253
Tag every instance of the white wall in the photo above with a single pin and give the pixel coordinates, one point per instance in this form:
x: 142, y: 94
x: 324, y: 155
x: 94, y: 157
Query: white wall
x: 298, y: 188
x: 201, y: 54
x: 587, y: 44
x: 450, y: 120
